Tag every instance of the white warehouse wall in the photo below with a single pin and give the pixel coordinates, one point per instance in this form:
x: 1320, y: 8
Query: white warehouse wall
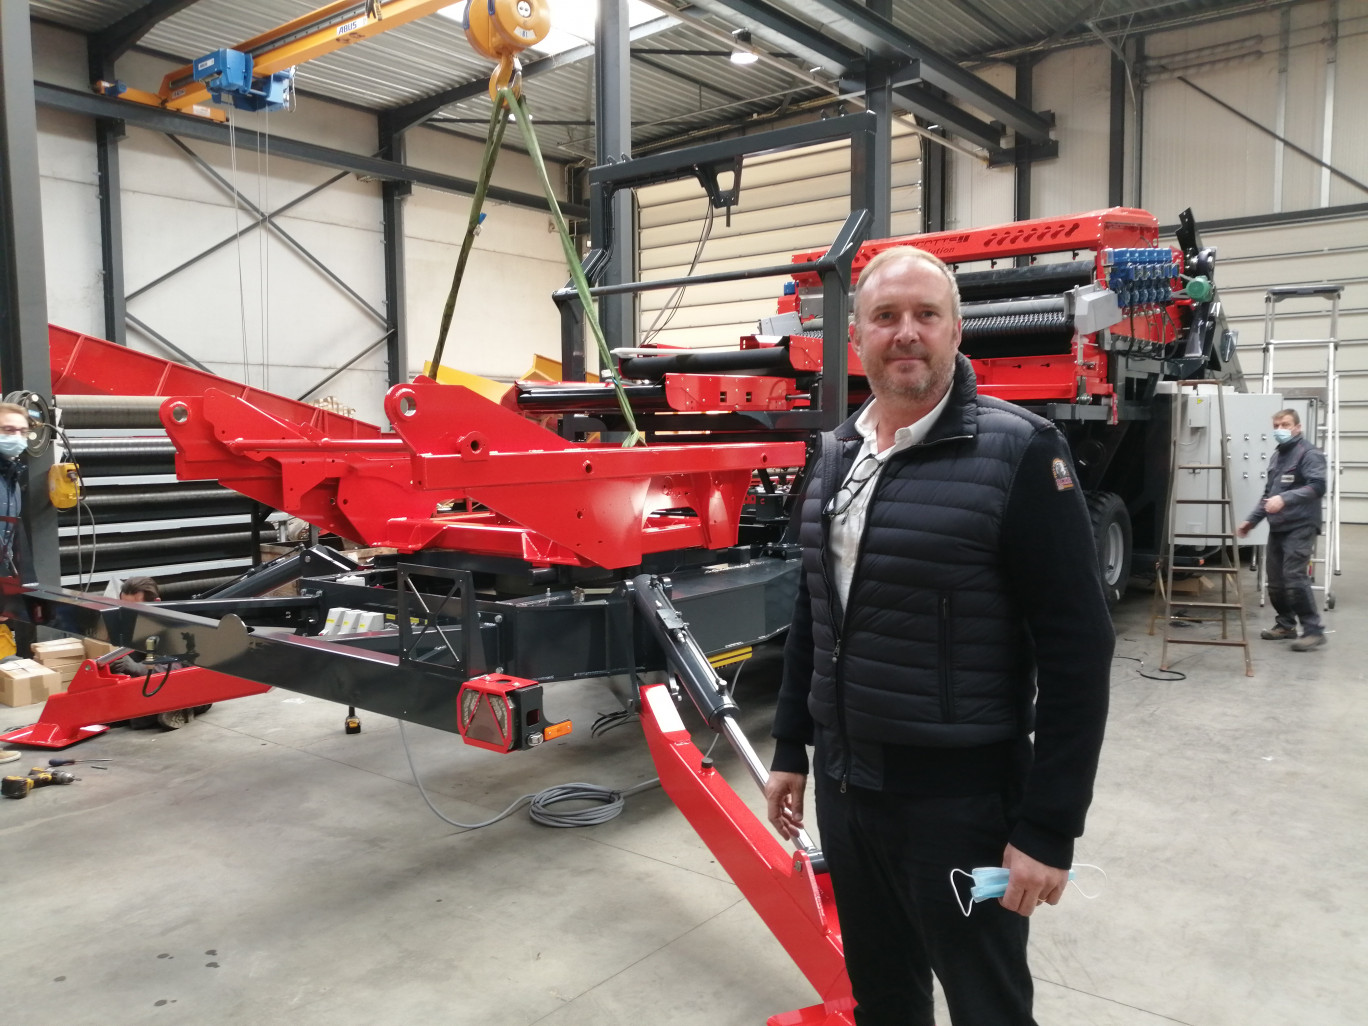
x: 1200, y: 154
x: 504, y: 314
x: 259, y: 310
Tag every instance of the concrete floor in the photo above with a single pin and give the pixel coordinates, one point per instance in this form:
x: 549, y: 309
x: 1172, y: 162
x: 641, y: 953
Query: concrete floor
x: 259, y: 866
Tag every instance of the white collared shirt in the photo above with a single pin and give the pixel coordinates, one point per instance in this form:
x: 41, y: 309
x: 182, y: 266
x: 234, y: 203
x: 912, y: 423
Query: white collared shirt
x: 847, y: 529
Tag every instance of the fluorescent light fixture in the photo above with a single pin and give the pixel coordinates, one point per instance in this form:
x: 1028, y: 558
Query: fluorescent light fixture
x: 572, y: 22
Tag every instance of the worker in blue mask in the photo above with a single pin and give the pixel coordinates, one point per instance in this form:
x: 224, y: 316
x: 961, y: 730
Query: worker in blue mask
x: 14, y: 438
x: 1292, y: 505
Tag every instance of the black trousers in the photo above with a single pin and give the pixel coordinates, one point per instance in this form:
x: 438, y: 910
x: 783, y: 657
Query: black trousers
x: 890, y: 858
x: 1289, y: 582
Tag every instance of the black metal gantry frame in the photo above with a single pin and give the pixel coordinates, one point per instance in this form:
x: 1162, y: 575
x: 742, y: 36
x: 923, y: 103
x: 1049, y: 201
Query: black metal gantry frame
x: 414, y: 672
x: 706, y: 163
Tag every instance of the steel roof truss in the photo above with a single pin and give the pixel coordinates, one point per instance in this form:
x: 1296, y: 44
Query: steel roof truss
x: 115, y: 40
x: 794, y: 35
x: 158, y: 120
x: 882, y: 38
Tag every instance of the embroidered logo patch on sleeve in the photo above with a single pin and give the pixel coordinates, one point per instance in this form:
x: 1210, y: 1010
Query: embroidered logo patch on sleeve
x: 1062, y: 479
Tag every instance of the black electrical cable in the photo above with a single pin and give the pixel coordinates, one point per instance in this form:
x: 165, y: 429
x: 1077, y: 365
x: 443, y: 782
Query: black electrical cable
x: 611, y: 801
x: 731, y: 690
x: 611, y: 720
x: 676, y: 298
x: 61, y: 434
x: 1149, y: 676
x: 94, y: 543
x: 148, y: 679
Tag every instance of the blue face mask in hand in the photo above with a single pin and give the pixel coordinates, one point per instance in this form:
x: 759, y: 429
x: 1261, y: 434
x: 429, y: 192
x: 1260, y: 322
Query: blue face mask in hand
x: 991, y: 882
x: 13, y: 445
x: 1282, y: 436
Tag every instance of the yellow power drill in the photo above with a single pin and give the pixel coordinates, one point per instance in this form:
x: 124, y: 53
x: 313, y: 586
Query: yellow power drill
x: 19, y: 787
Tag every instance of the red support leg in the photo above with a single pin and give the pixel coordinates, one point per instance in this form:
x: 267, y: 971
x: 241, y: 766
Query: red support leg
x: 794, y: 902
x: 97, y: 697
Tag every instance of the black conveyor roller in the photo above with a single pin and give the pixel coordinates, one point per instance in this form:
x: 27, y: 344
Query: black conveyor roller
x: 163, y: 501
x: 118, y: 457
x: 767, y: 360
x: 1039, y: 334
x: 588, y: 397
x: 134, y: 550
x: 1007, y: 282
x: 110, y: 411
x: 1019, y: 324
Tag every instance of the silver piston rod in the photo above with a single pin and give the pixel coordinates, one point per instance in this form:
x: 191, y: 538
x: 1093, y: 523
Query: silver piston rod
x: 704, y: 687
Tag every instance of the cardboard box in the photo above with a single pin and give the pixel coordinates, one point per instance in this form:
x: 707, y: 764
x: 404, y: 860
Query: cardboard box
x: 1198, y: 584
x: 65, y: 655
x: 25, y: 682
x: 46, y: 652
x: 94, y: 649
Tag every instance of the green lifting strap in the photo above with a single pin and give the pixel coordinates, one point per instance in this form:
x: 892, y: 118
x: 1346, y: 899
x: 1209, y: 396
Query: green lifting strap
x: 493, y: 140
x: 508, y: 101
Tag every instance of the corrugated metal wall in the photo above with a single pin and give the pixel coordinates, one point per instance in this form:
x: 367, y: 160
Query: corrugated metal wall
x: 1251, y: 261
x: 790, y: 202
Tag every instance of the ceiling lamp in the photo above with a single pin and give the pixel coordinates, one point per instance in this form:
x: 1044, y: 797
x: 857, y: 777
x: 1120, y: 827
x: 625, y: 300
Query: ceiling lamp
x: 741, y: 55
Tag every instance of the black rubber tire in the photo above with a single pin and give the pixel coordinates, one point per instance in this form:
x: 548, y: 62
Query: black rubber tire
x: 1111, y: 527
x: 176, y: 719
x: 200, y: 710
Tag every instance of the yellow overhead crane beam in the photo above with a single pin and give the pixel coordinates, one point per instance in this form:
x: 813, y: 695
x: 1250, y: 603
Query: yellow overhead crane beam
x: 306, y: 38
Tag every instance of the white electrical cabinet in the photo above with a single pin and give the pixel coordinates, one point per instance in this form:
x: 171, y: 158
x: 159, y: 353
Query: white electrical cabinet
x: 1249, y: 442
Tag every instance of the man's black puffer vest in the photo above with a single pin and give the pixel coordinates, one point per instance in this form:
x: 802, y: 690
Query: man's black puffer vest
x: 934, y: 652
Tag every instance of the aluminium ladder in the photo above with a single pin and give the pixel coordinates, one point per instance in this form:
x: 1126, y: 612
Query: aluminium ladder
x: 1226, y: 561
x: 1320, y: 390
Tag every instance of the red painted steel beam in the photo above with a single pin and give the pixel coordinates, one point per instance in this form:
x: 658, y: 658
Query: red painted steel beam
x: 86, y: 365
x: 97, y: 697
x: 1119, y: 227
x: 794, y: 902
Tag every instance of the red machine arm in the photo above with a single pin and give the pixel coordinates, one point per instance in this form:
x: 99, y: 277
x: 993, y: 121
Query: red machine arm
x: 794, y: 901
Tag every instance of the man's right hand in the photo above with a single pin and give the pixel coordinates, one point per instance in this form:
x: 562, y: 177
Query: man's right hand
x: 1244, y: 529
x: 784, y: 796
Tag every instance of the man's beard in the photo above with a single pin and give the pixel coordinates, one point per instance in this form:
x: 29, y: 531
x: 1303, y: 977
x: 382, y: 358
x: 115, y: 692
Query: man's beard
x: 931, y: 385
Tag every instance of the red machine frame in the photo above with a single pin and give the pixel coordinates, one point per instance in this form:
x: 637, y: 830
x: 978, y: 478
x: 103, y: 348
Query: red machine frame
x: 452, y: 448
x: 793, y: 899
x: 1084, y: 373
x: 493, y: 467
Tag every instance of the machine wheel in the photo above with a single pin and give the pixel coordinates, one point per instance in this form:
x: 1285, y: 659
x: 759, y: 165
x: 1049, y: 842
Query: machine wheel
x: 176, y: 719
x: 1112, y: 535
x: 200, y: 710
